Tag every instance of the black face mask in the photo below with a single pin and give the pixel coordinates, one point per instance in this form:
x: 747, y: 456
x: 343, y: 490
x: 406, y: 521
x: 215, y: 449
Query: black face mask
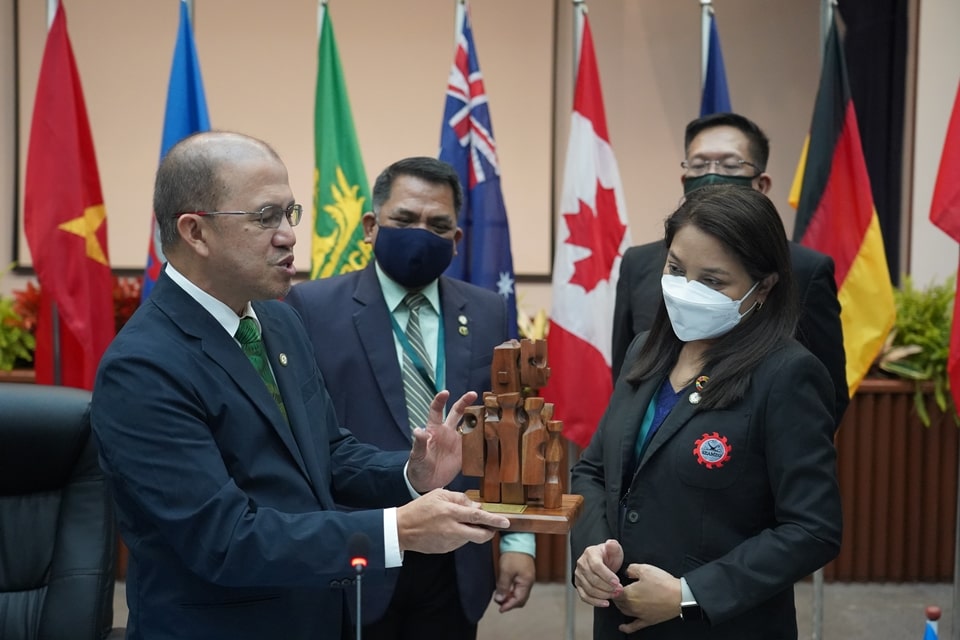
x: 692, y: 184
x: 413, y: 258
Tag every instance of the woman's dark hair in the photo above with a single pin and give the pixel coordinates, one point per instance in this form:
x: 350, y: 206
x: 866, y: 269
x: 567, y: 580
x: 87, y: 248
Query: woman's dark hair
x: 747, y: 224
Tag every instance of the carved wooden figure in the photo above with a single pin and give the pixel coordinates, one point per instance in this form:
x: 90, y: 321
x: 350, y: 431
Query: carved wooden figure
x: 534, y: 371
x: 490, y: 488
x: 552, y: 488
x: 473, y: 441
x: 505, y: 369
x: 533, y: 447
x: 511, y: 487
x: 513, y: 443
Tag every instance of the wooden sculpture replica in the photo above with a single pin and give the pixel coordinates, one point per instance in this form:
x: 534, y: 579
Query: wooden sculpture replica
x: 513, y: 443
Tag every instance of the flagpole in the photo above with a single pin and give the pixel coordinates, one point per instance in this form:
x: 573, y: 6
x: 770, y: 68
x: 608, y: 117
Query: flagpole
x: 826, y: 19
x: 579, y: 9
x: 827, y: 8
x: 706, y: 9
x: 54, y: 315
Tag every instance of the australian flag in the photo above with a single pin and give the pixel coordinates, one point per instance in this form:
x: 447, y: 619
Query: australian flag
x: 466, y: 142
x: 186, y: 113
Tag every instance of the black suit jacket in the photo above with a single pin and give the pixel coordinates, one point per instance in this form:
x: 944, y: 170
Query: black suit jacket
x: 742, y: 529
x: 818, y: 329
x: 349, y: 324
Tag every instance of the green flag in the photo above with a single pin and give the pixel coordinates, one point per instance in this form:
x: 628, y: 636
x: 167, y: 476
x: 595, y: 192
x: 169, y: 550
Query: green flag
x: 340, y: 191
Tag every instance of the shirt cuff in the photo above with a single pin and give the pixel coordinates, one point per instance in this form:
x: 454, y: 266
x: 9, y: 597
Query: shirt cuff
x: 413, y: 492
x: 391, y: 539
x: 686, y: 595
x: 519, y: 543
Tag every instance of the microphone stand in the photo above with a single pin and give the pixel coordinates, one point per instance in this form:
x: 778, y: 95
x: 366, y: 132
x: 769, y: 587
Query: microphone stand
x: 359, y: 566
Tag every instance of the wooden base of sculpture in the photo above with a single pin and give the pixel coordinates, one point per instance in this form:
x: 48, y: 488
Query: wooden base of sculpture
x: 535, y: 519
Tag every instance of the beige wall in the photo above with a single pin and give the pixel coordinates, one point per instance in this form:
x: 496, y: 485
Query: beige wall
x: 259, y: 63
x: 396, y: 56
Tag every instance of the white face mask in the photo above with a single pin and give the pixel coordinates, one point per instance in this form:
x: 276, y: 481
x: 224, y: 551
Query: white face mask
x: 697, y: 312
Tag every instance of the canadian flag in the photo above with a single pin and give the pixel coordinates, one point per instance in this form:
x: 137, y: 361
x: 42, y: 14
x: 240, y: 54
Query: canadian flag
x: 591, y: 236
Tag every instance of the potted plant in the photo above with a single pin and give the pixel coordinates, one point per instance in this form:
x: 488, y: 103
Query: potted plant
x: 18, y: 319
x: 16, y: 341
x: 918, y: 346
x: 16, y: 333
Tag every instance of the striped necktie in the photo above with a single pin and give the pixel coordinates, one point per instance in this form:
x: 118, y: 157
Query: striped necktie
x: 248, y: 335
x: 417, y: 380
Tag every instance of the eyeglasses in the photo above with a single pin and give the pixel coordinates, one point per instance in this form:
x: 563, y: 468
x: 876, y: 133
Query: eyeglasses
x: 269, y: 217
x: 726, y: 167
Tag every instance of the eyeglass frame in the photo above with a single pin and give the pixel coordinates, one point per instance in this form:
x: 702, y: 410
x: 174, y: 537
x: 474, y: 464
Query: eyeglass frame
x: 287, y: 213
x: 685, y: 165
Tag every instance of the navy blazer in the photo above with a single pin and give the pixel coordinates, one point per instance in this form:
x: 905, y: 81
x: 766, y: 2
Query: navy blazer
x: 741, y: 527
x: 227, y: 509
x: 349, y: 323
x: 818, y: 327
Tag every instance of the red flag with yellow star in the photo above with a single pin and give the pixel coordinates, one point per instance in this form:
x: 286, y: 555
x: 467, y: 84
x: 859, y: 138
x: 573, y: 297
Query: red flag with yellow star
x: 65, y: 222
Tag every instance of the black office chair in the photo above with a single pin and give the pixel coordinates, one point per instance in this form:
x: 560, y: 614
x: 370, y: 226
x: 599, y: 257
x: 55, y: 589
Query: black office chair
x: 57, y: 530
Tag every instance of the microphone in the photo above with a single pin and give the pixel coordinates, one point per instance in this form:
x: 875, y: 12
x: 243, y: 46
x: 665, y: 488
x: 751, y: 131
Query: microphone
x: 358, y: 548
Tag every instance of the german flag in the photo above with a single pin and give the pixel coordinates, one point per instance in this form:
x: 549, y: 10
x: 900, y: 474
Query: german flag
x: 835, y: 215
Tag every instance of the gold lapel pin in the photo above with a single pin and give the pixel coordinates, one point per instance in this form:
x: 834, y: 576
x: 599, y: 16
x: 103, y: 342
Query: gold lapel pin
x: 283, y: 359
x: 464, y: 331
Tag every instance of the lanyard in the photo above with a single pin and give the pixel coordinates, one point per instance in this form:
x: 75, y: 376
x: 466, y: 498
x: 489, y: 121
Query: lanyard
x: 417, y: 362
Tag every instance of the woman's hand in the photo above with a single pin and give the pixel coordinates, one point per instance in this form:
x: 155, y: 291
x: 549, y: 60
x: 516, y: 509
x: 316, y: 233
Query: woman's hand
x: 595, y: 576
x: 653, y: 598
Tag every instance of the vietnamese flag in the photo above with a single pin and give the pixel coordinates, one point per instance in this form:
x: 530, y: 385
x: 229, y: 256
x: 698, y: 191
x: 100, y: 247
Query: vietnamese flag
x: 836, y: 216
x: 945, y: 213
x: 65, y: 222
x: 591, y: 236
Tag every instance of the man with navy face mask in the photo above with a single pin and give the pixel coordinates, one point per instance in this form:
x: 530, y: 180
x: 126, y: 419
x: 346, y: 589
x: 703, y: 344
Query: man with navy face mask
x: 385, y: 338
x: 727, y: 148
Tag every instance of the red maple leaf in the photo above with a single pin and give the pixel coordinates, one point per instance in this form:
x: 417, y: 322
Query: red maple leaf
x: 600, y: 233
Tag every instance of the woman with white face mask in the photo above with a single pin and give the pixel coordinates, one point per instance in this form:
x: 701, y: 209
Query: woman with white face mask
x: 710, y: 484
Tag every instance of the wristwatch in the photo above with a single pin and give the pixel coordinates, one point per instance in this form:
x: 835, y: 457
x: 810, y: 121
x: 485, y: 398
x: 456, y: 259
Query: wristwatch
x: 690, y: 610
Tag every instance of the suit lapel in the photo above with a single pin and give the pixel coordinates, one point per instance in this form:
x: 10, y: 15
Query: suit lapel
x: 678, y: 416
x: 372, y: 320
x: 631, y: 416
x: 458, y: 347
x: 294, y: 430
x: 223, y: 350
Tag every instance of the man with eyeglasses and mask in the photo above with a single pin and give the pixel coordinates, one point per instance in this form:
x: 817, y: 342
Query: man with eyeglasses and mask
x: 390, y: 334
x: 727, y: 148
x: 220, y: 443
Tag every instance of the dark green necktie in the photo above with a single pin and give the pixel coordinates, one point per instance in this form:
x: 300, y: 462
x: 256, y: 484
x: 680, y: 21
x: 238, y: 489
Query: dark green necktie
x: 248, y: 335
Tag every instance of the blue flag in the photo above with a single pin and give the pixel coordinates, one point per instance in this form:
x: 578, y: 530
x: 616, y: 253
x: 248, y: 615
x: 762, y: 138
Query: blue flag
x: 186, y: 114
x: 716, y: 96
x: 466, y: 142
